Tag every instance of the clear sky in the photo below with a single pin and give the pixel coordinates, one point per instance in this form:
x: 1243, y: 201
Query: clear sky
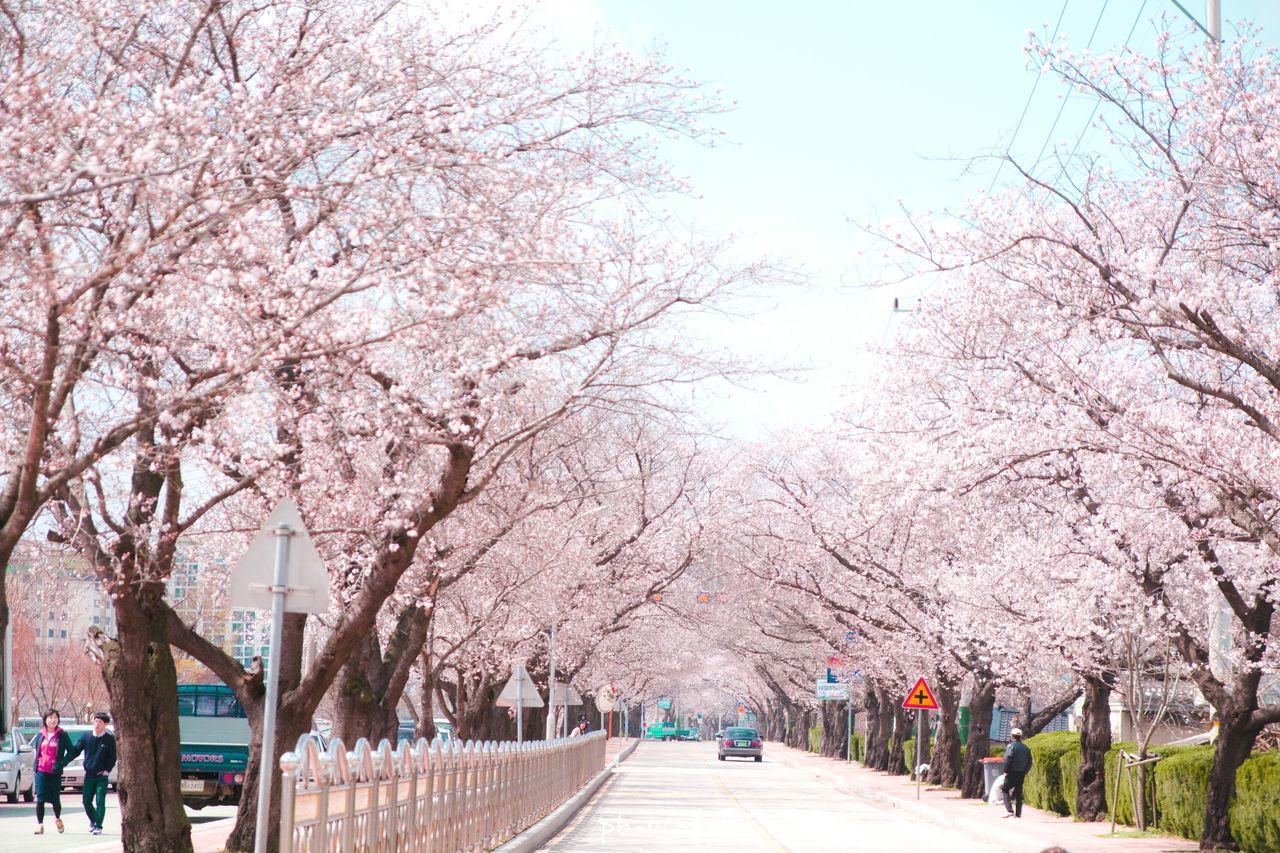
x: 843, y: 110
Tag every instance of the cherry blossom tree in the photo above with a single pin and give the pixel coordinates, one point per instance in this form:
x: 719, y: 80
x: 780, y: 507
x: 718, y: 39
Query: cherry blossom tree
x: 1119, y: 334
x: 412, y: 249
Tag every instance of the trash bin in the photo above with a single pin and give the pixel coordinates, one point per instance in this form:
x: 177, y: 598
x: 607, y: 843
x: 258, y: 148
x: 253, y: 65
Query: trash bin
x: 992, y: 767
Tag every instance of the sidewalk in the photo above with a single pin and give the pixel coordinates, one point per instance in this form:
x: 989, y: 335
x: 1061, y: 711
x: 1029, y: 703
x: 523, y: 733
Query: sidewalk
x: 615, y: 745
x: 1035, y: 831
x: 206, y: 837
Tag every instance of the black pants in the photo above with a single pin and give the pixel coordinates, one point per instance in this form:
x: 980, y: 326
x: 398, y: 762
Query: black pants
x: 1012, y: 788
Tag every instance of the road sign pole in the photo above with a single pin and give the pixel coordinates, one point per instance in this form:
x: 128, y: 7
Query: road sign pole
x: 848, y: 749
x: 520, y: 710
x: 921, y: 734
x: 553, y: 722
x: 266, y: 770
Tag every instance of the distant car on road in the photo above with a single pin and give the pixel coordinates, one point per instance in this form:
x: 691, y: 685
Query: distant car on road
x: 17, y: 768
x: 740, y: 743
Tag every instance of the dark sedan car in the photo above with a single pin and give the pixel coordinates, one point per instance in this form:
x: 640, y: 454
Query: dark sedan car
x: 741, y: 743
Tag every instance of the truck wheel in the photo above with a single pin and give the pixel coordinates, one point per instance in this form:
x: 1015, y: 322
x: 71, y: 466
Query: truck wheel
x: 759, y: 758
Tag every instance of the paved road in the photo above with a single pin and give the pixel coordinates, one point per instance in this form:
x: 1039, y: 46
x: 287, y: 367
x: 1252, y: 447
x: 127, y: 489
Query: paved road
x: 677, y: 796
x: 17, y: 822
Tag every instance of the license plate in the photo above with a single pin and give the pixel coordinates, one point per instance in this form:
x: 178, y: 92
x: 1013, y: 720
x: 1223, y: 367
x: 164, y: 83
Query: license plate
x: 192, y: 786
x: 742, y: 743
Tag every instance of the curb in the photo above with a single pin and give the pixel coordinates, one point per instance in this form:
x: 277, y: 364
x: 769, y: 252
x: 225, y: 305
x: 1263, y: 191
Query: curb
x: 541, y: 832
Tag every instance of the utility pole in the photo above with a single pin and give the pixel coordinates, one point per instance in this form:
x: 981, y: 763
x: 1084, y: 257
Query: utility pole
x: 553, y: 723
x: 1213, y: 20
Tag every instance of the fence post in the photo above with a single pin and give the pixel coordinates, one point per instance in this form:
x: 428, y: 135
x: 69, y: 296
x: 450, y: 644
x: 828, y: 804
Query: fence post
x: 288, y: 793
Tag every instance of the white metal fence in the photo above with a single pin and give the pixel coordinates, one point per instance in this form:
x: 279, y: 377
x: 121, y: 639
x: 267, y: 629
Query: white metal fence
x: 426, y: 797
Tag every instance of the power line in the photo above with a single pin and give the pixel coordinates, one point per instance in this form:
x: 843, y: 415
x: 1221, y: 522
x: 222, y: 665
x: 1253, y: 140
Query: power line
x: 1098, y: 103
x: 1027, y: 106
x: 1061, y: 109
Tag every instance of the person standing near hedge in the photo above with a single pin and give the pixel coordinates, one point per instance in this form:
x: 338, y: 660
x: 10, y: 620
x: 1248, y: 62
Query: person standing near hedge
x: 99, y: 748
x: 1017, y: 762
x: 53, y: 751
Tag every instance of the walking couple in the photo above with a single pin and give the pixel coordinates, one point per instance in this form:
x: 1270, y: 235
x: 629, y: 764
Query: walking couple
x: 54, y: 751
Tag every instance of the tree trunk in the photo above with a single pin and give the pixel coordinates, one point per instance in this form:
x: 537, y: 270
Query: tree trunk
x: 833, y: 726
x: 885, y: 713
x: 289, y: 728
x: 874, y: 745
x: 944, y: 764
x: 801, y: 735
x: 293, y: 720
x: 981, y: 705
x: 359, y: 710
x: 371, y: 682
x: 896, y: 763
x: 1235, y: 742
x: 143, y: 685
x: 426, y: 727
x: 1095, y: 741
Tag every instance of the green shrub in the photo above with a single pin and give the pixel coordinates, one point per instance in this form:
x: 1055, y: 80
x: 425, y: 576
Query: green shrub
x: 1255, y: 812
x: 1069, y: 777
x: 1044, y: 782
x: 815, y: 739
x: 909, y: 753
x: 857, y: 747
x: 1180, y: 787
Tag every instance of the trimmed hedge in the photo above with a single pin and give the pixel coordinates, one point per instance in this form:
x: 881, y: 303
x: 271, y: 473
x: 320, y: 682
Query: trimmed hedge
x: 1069, y: 776
x: 909, y: 753
x: 857, y: 747
x: 1043, y: 788
x: 1255, y: 812
x: 1180, y: 790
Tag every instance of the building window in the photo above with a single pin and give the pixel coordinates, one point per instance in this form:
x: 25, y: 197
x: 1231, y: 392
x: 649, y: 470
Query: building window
x: 51, y: 633
x: 64, y: 633
x: 51, y: 616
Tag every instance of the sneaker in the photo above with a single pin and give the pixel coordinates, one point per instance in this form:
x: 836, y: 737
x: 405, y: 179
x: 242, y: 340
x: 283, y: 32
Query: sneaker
x: 1008, y: 814
x: 95, y: 830
x: 39, y: 829
x: 60, y: 825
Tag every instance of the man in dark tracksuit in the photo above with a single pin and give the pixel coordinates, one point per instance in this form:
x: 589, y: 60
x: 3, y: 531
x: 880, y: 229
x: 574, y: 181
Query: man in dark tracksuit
x: 99, y: 748
x: 1017, y: 761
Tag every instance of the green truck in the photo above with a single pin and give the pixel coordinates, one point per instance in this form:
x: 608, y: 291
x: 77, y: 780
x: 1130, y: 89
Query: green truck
x: 669, y: 731
x: 214, y: 744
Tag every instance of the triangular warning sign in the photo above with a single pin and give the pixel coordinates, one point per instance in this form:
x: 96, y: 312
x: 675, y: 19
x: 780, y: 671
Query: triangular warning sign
x: 920, y: 698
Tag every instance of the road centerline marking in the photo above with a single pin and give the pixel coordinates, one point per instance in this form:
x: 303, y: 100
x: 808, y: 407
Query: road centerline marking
x: 755, y: 824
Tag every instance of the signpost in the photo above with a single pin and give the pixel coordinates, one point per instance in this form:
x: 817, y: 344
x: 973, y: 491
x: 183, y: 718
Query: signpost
x: 920, y: 699
x: 519, y: 693
x: 297, y: 583
x: 562, y: 695
x: 606, y: 698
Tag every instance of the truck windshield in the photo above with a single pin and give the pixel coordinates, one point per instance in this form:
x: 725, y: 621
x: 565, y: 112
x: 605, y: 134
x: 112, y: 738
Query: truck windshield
x: 208, y: 700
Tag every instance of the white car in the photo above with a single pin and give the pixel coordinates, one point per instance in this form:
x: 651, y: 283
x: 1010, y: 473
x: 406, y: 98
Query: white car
x: 73, y: 773
x: 17, y: 768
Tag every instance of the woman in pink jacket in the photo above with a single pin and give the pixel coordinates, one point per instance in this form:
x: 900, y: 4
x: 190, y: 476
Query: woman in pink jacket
x: 53, y: 751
